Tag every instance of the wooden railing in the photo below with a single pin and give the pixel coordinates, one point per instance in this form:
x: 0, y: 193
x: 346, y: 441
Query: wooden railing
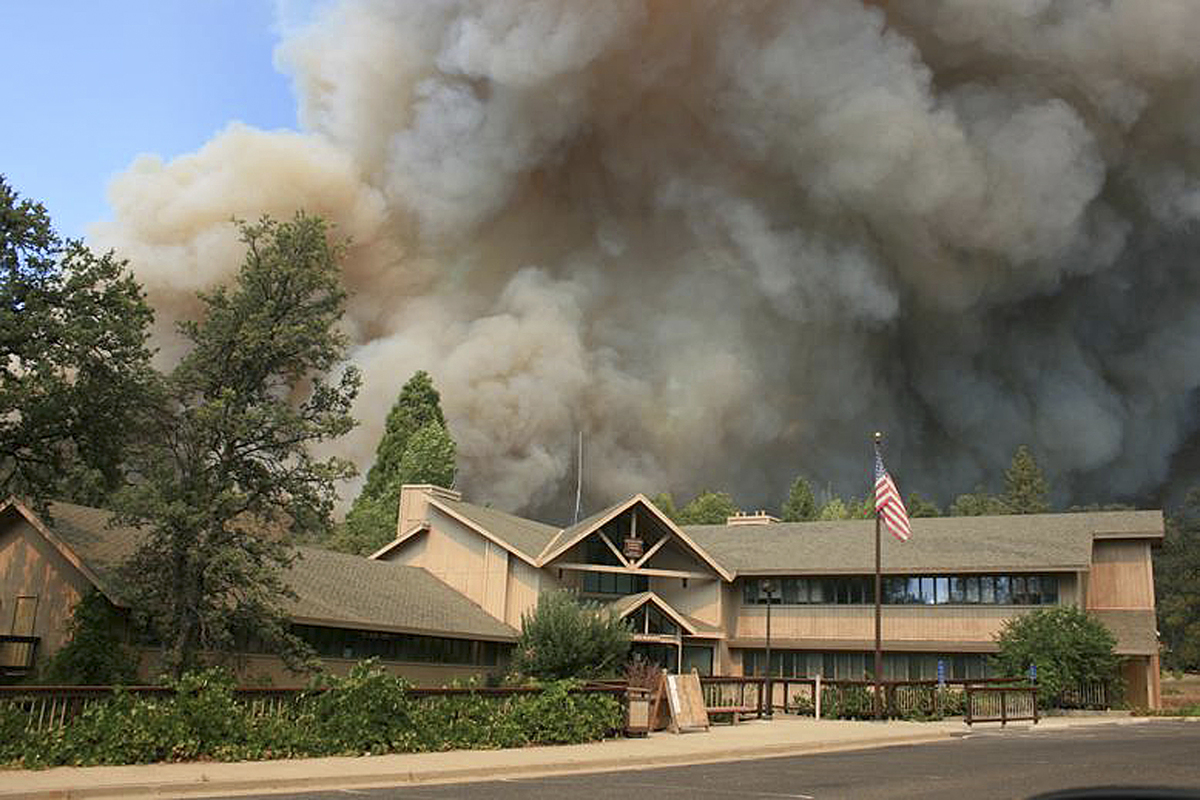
x: 1001, y: 704
x: 49, y: 707
x: 734, y: 695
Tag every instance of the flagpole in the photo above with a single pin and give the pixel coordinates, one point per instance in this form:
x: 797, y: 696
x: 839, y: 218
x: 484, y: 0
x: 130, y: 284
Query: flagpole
x: 878, y: 608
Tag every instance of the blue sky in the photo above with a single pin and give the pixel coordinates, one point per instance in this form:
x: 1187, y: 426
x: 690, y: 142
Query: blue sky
x: 90, y: 85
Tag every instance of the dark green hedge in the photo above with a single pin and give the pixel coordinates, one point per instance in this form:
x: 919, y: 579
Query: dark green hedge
x: 368, y: 712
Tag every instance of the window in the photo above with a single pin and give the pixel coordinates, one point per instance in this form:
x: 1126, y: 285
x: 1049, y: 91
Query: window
x: 344, y: 643
x: 614, y: 583
x: 908, y: 590
x: 1003, y: 591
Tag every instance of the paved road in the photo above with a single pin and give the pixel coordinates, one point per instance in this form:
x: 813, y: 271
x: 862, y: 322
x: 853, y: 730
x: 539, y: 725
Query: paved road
x: 983, y: 765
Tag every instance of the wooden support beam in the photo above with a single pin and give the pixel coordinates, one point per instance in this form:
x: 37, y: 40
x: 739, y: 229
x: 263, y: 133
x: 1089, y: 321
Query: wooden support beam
x: 658, y: 573
x: 646, y: 556
x: 620, y: 556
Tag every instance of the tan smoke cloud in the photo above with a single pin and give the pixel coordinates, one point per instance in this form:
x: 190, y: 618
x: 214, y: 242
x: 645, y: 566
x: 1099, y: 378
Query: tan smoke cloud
x: 728, y: 241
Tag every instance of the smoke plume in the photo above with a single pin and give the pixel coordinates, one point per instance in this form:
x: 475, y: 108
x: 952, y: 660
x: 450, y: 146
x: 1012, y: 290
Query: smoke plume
x: 728, y: 241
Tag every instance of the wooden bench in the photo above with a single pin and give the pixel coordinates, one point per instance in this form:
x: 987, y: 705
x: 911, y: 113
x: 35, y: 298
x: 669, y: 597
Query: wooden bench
x: 735, y: 712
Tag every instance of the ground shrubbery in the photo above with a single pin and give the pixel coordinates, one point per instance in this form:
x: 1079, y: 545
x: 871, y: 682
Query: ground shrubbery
x: 368, y: 711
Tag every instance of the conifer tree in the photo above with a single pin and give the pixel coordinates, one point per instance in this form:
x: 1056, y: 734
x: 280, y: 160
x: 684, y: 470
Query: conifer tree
x: 1026, y: 489
x: 415, y: 448
x: 800, y: 505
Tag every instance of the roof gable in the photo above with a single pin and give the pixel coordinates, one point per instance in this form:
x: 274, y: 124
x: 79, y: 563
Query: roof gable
x: 581, y: 530
x: 628, y: 604
x: 524, y: 538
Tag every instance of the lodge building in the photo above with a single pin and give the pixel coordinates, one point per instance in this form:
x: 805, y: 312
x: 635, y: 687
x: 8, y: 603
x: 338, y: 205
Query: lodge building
x: 445, y: 598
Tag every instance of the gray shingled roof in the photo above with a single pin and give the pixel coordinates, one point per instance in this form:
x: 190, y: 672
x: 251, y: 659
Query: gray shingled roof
x: 526, y: 535
x: 353, y: 592
x: 101, y: 548
x: 332, y: 589
x: 964, y: 544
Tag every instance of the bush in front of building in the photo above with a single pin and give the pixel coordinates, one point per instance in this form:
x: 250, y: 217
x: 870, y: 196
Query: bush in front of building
x: 1069, y: 647
x: 367, y: 712
x: 96, y: 653
x: 563, y: 638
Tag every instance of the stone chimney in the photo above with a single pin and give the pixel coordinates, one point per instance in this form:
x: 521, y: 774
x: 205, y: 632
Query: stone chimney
x: 759, y: 517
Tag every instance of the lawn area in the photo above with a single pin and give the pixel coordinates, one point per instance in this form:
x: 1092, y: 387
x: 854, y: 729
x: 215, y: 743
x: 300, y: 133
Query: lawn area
x: 1181, y: 692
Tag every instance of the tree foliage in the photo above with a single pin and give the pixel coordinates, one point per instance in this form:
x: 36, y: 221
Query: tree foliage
x: 96, y: 653
x: 564, y: 638
x: 228, y: 468
x: 834, y: 509
x: 708, y: 508
x: 1026, y: 490
x: 977, y: 504
x: 415, y: 448
x: 1177, y: 584
x: 1068, y: 646
x: 666, y: 504
x: 73, y: 328
x: 918, y: 506
x: 801, y: 504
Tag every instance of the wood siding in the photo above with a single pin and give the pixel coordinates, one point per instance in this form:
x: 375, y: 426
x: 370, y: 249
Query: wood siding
x: 1121, y: 576
x: 31, y: 567
x: 900, y: 623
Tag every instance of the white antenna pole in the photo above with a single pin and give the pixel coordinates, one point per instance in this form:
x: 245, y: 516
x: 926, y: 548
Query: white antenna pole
x: 579, y: 477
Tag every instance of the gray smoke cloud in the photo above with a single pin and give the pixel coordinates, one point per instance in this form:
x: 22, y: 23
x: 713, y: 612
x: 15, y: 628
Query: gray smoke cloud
x: 728, y: 241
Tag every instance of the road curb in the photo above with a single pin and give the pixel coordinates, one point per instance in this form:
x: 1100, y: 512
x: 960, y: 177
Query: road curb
x: 208, y: 787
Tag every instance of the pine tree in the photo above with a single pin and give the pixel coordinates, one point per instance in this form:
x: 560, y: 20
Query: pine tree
x: 1026, y: 489
x: 415, y: 448
x: 800, y: 505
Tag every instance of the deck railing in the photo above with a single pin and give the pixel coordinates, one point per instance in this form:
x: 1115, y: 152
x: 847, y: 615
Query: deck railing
x: 1001, y: 704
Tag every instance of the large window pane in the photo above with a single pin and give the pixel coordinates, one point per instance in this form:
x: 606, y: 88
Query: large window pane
x: 1019, y: 597
x: 842, y: 589
x: 1050, y: 590
x: 927, y: 596
x: 749, y: 591
x: 1003, y: 590
x: 893, y: 591
x: 816, y: 591
x: 958, y: 589
x: 987, y: 589
x: 912, y: 593
x: 972, y: 590
x: 791, y: 591
x: 941, y: 589
x: 1033, y: 586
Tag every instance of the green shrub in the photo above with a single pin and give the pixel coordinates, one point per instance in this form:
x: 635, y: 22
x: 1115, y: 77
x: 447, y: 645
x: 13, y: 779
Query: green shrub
x: 563, y: 638
x: 1068, y: 646
x: 95, y: 654
x: 368, y: 711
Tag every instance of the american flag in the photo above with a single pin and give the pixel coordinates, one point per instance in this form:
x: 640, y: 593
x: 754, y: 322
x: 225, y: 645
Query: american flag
x: 888, y: 504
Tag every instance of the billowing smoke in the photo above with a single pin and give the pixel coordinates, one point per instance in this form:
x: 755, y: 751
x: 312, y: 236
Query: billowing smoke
x: 728, y: 241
